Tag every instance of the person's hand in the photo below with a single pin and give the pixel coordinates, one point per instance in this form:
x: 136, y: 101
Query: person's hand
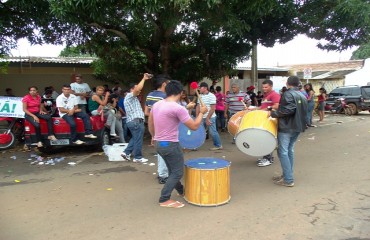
x: 147, y: 76
x: 107, y: 94
x: 36, y: 119
x: 42, y: 112
x: 208, y: 122
x: 268, y: 114
x: 190, y: 105
x: 71, y: 112
x: 225, y: 115
x: 203, y: 109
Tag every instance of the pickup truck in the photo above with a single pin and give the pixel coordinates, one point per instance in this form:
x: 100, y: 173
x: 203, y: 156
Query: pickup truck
x: 357, y: 97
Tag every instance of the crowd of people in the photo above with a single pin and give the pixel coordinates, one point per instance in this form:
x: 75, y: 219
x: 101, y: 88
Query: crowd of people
x: 168, y: 105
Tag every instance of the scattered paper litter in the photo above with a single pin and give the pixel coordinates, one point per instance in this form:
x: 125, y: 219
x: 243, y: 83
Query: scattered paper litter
x: 151, y: 164
x: 72, y: 163
x: 311, y: 138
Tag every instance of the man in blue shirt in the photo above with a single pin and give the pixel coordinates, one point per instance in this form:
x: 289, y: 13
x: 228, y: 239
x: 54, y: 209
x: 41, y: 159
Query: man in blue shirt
x: 160, y: 83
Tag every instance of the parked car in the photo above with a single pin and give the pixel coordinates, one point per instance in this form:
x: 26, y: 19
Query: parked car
x: 62, y: 132
x: 356, y: 97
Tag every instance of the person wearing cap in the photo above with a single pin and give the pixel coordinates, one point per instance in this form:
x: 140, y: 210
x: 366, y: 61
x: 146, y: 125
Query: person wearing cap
x: 160, y: 83
x: 209, y: 118
x: 252, y: 95
x: 270, y: 100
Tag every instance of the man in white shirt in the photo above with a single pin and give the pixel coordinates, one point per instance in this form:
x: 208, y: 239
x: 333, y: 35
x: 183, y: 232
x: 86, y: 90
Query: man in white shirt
x: 82, y: 91
x: 68, y: 110
x: 209, y: 118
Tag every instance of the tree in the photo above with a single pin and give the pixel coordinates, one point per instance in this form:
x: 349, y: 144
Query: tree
x: 363, y: 52
x: 341, y: 24
x: 71, y: 51
x: 187, y: 39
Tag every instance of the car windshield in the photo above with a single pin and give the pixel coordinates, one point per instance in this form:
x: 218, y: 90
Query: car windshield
x: 366, y: 92
x: 335, y: 93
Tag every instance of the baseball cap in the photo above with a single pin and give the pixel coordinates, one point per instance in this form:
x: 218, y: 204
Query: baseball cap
x: 203, y: 84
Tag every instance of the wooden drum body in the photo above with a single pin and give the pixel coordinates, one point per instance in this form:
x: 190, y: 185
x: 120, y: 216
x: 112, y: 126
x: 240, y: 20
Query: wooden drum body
x: 257, y: 134
x: 234, y: 122
x: 207, y: 181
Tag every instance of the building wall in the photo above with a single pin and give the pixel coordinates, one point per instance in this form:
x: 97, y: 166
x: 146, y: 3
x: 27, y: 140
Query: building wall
x: 20, y: 78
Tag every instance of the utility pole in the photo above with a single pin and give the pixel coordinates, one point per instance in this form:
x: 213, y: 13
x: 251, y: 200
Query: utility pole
x: 254, y: 68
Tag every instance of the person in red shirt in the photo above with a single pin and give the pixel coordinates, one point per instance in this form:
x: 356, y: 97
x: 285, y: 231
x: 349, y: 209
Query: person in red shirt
x: 34, y: 110
x: 270, y: 100
x: 220, y: 108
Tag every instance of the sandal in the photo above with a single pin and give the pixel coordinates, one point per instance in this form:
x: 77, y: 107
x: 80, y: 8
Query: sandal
x: 172, y: 204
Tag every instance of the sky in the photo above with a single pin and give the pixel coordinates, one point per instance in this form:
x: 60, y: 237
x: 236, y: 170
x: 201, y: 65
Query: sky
x: 300, y: 50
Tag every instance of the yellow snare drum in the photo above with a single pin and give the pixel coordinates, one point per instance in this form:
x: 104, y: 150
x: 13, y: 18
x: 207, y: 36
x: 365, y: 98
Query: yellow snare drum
x: 207, y: 181
x: 257, y: 134
x: 234, y: 122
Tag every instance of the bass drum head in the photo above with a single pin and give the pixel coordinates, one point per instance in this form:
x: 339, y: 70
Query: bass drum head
x: 190, y: 139
x: 255, y: 142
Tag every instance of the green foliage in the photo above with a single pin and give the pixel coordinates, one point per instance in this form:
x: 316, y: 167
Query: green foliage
x: 340, y: 23
x: 71, y: 51
x: 363, y: 52
x: 187, y: 39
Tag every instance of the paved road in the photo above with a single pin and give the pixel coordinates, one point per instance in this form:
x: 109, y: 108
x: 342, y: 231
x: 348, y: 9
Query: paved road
x: 97, y: 199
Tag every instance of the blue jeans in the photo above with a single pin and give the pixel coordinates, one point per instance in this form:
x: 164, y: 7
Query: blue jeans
x: 162, y: 168
x: 213, y: 131
x: 135, y: 144
x: 47, y: 118
x: 72, y: 124
x: 310, y: 107
x: 174, y: 159
x: 286, y: 143
x: 125, y: 130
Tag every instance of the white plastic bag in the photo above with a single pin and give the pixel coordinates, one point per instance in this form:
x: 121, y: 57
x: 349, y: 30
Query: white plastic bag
x: 114, y: 151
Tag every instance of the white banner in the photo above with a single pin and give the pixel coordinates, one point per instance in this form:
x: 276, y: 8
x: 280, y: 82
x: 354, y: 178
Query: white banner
x: 11, y: 107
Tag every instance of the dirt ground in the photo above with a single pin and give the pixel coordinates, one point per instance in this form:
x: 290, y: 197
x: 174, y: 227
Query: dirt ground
x: 97, y: 199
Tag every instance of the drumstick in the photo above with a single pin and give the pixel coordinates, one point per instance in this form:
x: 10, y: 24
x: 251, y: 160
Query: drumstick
x: 242, y: 100
x: 194, y: 85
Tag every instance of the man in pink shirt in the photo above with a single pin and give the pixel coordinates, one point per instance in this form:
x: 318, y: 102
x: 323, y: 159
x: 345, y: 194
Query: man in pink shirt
x: 163, y: 123
x: 270, y: 101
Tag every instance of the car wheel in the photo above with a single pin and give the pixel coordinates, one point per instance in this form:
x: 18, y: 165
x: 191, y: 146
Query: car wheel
x: 353, y: 108
x: 105, y: 140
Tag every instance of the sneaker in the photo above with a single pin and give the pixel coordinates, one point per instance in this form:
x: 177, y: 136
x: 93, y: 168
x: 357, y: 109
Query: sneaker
x: 140, y: 160
x: 162, y: 180
x: 40, y: 145
x: 126, y: 157
x: 264, y: 163
x: 52, y: 138
x: 281, y: 182
x: 113, y: 135
x: 277, y: 178
x: 79, y: 142
x: 216, y: 148
x: 90, y: 136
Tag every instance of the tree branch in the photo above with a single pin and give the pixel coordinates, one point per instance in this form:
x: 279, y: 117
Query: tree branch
x: 118, y: 33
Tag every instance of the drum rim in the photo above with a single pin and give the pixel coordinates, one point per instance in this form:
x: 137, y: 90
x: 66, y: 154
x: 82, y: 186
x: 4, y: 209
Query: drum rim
x: 259, y: 128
